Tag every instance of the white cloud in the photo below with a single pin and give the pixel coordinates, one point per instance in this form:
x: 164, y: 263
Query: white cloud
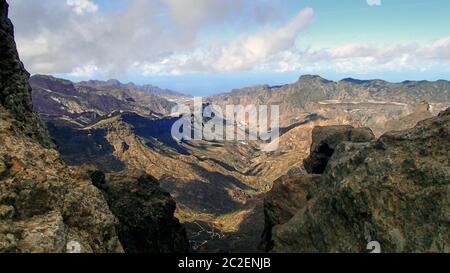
x: 248, y: 51
x: 166, y: 37
x: 82, y: 6
x: 143, y: 31
x: 189, y: 16
x: 85, y: 71
x: 439, y: 49
x: 351, y: 58
x: 365, y: 58
x: 374, y: 2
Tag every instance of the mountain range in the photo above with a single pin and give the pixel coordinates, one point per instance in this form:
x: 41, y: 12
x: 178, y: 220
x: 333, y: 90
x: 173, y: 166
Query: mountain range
x: 106, y: 126
x: 92, y: 167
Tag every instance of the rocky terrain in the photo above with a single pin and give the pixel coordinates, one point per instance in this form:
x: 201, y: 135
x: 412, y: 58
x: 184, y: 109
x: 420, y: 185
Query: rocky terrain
x: 46, y: 206
x: 219, y: 199
x: 116, y: 139
x: 134, y: 88
x: 76, y: 105
x: 208, y: 187
x: 352, y: 101
x: 325, y: 141
x: 43, y: 204
x: 394, y: 190
x: 145, y: 213
x: 219, y: 186
x: 14, y: 88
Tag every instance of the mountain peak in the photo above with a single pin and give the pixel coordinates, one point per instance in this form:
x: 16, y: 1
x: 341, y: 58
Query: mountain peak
x: 313, y: 78
x: 48, y: 78
x: 113, y: 82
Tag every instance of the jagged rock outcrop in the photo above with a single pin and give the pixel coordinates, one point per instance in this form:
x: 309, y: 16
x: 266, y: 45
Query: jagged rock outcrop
x: 325, y: 139
x: 289, y: 194
x: 145, y: 212
x: 44, y: 205
x: 14, y: 87
x: 394, y: 190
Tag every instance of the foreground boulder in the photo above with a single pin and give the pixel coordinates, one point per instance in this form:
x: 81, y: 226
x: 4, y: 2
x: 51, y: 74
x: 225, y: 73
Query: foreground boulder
x: 45, y: 205
x: 325, y: 139
x: 145, y: 213
x: 289, y: 194
x: 394, y: 191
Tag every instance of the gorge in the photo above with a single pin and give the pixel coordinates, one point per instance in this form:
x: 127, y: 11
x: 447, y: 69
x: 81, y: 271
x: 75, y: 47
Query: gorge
x: 94, y: 162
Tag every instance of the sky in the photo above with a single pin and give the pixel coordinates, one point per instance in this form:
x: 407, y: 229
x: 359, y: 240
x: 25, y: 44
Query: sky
x: 202, y: 47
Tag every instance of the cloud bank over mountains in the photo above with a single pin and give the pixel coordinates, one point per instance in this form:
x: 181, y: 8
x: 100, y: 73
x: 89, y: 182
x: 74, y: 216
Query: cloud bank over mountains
x: 171, y: 37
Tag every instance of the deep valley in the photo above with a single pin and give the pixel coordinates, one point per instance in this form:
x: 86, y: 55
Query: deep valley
x: 219, y: 186
x: 94, y: 167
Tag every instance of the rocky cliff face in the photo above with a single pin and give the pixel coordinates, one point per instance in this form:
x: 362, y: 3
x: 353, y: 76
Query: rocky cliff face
x: 394, y: 190
x: 145, y: 213
x: 14, y: 87
x: 46, y: 206
x: 325, y: 140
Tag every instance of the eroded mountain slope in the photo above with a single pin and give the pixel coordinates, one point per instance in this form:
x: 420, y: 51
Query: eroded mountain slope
x: 79, y: 104
x: 349, y: 99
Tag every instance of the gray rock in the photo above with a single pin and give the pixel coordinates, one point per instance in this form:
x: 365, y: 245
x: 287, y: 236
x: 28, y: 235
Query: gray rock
x: 43, y: 203
x: 394, y: 191
x: 14, y: 87
x: 145, y: 213
x: 325, y: 139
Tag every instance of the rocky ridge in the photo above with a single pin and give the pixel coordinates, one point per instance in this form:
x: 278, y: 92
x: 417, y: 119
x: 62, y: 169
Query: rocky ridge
x: 394, y: 190
x: 64, y: 103
x: 356, y: 102
x: 14, y: 87
x: 145, y: 213
x: 46, y: 206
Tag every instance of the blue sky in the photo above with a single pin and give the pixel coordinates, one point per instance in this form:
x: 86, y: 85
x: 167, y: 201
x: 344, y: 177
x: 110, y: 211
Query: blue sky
x: 208, y: 46
x: 348, y: 21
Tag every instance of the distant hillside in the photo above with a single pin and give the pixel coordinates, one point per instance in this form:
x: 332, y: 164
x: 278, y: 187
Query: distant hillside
x: 371, y: 102
x: 61, y: 100
x: 147, y: 88
x: 218, y: 185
